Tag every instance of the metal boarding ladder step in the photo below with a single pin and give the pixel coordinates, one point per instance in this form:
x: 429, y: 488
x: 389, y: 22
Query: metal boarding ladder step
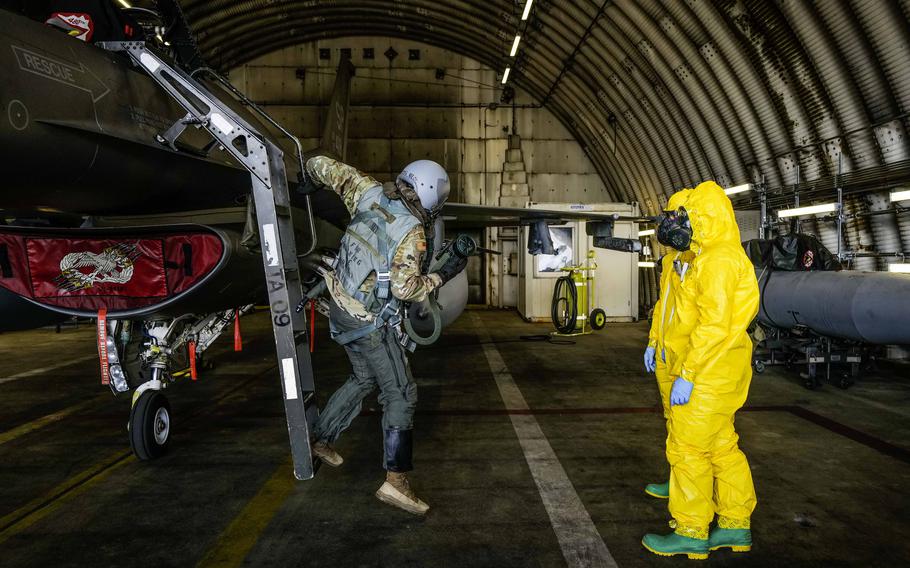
x: 265, y: 162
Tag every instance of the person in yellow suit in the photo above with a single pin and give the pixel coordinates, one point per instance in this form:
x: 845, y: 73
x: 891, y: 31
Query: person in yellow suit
x: 714, y: 297
x: 664, y: 311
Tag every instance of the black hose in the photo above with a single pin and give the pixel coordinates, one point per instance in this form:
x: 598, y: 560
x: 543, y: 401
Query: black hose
x: 564, y: 291
x: 548, y: 338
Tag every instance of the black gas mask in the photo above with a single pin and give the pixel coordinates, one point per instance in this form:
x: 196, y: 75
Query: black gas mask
x: 674, y: 229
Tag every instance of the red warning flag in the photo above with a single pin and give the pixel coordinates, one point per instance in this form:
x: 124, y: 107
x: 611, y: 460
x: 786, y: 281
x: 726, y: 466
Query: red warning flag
x: 192, y: 348
x: 102, y: 346
x: 238, y: 340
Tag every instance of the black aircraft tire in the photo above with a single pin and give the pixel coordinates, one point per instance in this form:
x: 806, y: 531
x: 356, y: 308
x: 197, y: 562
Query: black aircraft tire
x: 598, y: 319
x: 150, y: 426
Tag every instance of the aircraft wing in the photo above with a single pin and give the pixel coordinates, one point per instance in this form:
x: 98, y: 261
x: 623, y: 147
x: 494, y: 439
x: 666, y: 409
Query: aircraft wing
x: 461, y: 214
x: 598, y: 225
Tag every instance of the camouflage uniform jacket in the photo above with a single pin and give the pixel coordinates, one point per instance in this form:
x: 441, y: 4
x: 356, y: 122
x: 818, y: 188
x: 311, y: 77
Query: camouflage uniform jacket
x: 407, y: 282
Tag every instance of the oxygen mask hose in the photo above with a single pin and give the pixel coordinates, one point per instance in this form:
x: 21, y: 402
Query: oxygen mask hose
x: 462, y: 246
x: 429, y: 308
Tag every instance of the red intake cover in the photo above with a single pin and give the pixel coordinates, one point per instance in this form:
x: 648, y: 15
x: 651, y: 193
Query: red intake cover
x: 114, y: 273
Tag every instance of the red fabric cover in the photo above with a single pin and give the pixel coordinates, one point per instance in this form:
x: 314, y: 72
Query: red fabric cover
x: 145, y: 277
x: 206, y: 252
x: 18, y: 259
x: 158, y: 266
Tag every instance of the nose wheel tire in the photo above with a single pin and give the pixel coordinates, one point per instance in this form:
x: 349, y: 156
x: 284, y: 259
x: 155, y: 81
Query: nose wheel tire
x: 150, y: 425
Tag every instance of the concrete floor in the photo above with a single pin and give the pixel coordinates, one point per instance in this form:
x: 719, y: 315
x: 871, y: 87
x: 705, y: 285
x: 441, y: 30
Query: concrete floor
x: 831, y: 468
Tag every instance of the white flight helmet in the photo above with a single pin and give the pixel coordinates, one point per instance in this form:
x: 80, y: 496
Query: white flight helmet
x: 430, y: 181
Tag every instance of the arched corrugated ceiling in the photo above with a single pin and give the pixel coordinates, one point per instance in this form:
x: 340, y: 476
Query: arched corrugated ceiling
x: 726, y: 89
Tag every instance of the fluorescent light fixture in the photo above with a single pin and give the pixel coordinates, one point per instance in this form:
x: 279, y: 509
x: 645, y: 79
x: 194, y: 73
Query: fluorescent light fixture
x: 898, y: 267
x: 900, y: 195
x: 645, y: 264
x: 811, y: 210
x: 738, y: 189
x: 505, y: 76
x: 527, y: 12
x: 515, y: 46
x: 124, y: 3
x: 646, y: 232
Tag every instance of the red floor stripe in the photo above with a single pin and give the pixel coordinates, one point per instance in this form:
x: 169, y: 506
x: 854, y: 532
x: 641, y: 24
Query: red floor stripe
x: 867, y: 440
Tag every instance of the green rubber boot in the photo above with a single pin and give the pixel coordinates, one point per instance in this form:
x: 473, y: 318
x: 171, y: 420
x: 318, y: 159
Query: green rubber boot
x: 738, y: 540
x: 659, y: 490
x: 673, y: 544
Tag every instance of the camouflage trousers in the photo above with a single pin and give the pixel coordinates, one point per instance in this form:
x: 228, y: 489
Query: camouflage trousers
x: 378, y: 360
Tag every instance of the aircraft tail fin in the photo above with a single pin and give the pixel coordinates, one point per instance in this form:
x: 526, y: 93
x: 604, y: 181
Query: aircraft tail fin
x: 335, y: 132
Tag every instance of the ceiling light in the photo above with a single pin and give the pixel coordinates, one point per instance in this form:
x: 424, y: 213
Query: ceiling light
x: 124, y: 3
x: 646, y: 232
x: 738, y: 189
x: 645, y: 264
x: 898, y: 267
x: 900, y: 195
x: 527, y: 12
x: 811, y: 210
x: 515, y: 46
x: 505, y: 76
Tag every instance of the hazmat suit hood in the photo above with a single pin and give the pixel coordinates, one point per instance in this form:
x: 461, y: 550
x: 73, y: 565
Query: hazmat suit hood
x: 678, y: 199
x: 711, y: 215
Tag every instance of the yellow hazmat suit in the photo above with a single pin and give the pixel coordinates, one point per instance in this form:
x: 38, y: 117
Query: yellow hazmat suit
x: 665, y: 309
x: 711, y: 300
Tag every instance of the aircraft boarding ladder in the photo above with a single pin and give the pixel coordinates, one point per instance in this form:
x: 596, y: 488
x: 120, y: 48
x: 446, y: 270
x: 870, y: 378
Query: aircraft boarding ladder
x: 265, y: 162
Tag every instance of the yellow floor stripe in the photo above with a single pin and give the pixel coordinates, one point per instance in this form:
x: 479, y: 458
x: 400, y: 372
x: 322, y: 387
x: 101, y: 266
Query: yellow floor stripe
x: 39, y: 423
x: 238, y: 539
x: 42, y: 506
x: 36, y: 509
x: 42, y: 370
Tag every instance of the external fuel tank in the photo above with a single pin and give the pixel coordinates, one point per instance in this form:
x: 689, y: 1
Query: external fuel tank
x: 873, y: 307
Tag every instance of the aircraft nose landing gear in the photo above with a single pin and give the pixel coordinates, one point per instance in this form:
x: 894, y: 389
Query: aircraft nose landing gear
x: 150, y: 425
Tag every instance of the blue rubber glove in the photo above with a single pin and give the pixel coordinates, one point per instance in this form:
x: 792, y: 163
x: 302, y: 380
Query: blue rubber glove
x: 650, y: 362
x: 681, y: 391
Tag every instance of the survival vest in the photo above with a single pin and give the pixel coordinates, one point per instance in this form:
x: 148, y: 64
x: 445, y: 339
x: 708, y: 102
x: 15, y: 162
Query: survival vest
x: 368, y: 247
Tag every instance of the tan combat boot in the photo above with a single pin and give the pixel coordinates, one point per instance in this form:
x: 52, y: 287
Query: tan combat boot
x: 327, y: 454
x: 396, y: 491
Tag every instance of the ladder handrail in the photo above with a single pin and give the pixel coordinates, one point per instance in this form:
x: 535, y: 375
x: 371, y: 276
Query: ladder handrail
x: 299, y: 147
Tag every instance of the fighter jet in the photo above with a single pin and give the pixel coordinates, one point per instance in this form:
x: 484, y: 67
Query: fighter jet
x: 169, y: 249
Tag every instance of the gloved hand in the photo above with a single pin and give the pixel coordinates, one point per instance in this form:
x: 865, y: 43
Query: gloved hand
x: 681, y: 391
x: 452, y: 266
x: 306, y: 185
x: 650, y: 362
